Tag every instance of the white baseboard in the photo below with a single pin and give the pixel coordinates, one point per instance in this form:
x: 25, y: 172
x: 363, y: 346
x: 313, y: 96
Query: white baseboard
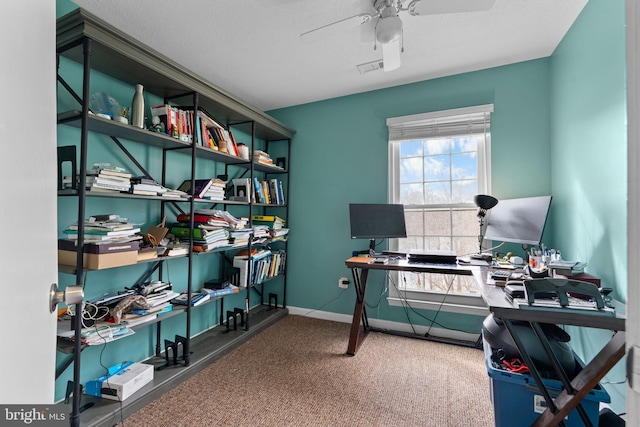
x: 387, y: 325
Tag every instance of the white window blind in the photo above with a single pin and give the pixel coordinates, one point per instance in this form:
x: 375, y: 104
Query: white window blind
x: 460, y: 121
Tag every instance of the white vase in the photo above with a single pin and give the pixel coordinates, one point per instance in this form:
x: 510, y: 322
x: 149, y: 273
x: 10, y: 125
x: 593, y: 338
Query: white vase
x: 137, y: 108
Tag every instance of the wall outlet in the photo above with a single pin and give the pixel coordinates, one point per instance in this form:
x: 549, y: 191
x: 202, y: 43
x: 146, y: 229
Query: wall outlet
x: 343, y: 282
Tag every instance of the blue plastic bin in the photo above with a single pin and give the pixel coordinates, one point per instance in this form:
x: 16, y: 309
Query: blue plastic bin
x: 517, y: 401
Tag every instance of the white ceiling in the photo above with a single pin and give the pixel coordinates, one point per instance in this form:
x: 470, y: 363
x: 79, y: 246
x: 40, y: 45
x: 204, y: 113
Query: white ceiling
x: 252, y: 48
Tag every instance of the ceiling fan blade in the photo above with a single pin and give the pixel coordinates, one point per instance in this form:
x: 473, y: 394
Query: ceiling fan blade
x: 391, y: 55
x: 438, y: 7
x: 335, y: 27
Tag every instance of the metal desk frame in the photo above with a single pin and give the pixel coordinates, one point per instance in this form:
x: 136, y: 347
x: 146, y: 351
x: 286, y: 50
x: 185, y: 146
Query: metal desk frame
x: 588, y: 378
x: 574, y: 390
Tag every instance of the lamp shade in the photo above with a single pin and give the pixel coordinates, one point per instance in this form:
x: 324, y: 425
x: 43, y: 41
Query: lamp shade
x: 484, y: 201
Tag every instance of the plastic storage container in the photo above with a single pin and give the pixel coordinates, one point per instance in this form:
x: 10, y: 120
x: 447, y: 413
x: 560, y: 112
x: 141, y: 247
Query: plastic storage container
x: 517, y: 401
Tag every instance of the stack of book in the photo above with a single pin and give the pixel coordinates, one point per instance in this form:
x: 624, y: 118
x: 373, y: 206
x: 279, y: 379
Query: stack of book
x: 260, y: 156
x: 205, y: 237
x: 216, y: 190
x: 100, y: 333
x: 197, y: 298
x: 146, y: 186
x: 200, y: 187
x: 104, y: 228
x: 107, y: 178
x: 220, y: 216
x: 241, y: 237
x: 138, y: 316
x: 273, y: 222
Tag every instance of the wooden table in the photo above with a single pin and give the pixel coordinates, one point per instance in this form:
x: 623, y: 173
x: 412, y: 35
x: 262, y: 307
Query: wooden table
x: 360, y: 267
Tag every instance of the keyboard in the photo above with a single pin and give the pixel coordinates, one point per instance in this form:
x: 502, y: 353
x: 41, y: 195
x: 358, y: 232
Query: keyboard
x: 501, y: 274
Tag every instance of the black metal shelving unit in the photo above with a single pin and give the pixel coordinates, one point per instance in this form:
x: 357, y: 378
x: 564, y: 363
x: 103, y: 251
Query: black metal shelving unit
x: 84, y: 38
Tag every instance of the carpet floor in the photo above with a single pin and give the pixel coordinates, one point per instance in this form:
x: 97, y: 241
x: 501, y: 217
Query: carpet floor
x: 296, y: 373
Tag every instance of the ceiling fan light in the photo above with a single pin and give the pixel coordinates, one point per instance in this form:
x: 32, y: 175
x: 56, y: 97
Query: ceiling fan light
x: 388, y: 29
x: 391, y: 55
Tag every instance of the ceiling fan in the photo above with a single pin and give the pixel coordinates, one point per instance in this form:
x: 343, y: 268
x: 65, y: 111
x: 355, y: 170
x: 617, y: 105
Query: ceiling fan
x: 388, y: 29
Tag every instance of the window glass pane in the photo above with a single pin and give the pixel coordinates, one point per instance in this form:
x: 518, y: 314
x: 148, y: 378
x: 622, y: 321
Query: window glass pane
x: 464, y: 223
x: 438, y: 146
x: 411, y: 194
x: 437, y: 243
x: 437, y: 193
x: 437, y: 223
x: 411, y: 170
x: 468, y: 143
x: 463, y: 166
x: 414, y: 223
x: 463, y: 191
x: 411, y: 148
x: 437, y: 168
x: 465, y: 245
x: 411, y: 242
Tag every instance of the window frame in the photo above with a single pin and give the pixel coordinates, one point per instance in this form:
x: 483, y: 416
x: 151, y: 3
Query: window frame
x: 421, y: 127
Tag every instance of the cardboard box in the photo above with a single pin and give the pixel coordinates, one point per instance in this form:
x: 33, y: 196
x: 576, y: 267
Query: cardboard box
x: 123, y: 381
x: 97, y: 257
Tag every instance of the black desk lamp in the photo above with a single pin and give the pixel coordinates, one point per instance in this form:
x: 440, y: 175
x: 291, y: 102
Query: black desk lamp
x: 484, y: 203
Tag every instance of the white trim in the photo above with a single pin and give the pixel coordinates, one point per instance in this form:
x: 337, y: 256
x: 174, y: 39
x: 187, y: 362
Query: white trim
x: 386, y: 325
x: 447, y: 307
x: 633, y: 202
x: 487, y: 108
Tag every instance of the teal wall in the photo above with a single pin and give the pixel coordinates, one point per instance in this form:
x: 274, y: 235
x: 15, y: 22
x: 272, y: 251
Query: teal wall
x: 588, y: 158
x: 558, y: 128
x: 339, y: 155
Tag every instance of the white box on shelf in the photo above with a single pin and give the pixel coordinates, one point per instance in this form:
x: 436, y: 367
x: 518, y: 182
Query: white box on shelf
x: 123, y: 380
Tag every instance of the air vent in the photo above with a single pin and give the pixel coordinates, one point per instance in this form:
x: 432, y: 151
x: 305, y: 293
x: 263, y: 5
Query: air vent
x: 370, y: 66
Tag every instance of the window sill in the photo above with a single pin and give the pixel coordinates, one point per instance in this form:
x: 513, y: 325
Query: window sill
x: 462, y: 304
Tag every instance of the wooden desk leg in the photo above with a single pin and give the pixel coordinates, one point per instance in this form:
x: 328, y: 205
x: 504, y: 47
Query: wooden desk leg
x: 585, y: 381
x: 358, y: 335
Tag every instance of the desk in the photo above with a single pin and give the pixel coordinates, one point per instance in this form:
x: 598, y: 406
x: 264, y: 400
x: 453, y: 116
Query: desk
x: 360, y: 268
x: 574, y: 390
x: 494, y: 297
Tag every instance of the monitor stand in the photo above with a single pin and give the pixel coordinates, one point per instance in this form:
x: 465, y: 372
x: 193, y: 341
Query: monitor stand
x: 376, y: 258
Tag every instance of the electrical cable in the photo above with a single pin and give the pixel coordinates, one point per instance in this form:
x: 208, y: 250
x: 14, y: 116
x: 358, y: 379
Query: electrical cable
x: 325, y: 304
x: 384, y: 290
x: 405, y: 300
x: 441, y: 304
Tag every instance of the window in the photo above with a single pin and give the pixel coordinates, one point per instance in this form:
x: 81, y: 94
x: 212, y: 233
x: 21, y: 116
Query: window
x: 437, y: 162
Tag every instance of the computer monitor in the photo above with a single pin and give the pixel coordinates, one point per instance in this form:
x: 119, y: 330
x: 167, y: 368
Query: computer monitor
x: 376, y: 221
x: 518, y: 220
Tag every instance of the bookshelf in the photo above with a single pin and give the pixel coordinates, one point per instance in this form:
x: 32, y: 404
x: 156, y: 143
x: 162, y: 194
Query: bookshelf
x: 97, y: 46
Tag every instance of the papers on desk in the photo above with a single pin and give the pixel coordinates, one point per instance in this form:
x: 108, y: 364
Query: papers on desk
x: 574, y: 304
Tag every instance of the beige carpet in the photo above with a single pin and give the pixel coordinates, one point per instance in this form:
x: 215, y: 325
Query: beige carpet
x: 296, y: 373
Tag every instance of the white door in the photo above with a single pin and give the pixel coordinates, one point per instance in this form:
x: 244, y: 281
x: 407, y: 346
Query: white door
x: 28, y: 218
x: 633, y: 211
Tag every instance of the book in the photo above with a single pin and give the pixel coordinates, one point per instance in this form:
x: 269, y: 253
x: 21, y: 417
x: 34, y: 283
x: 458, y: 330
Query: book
x: 267, y: 218
x: 102, y: 217
x: 228, y: 290
x: 200, y: 187
x: 91, y: 231
x: 197, y: 298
